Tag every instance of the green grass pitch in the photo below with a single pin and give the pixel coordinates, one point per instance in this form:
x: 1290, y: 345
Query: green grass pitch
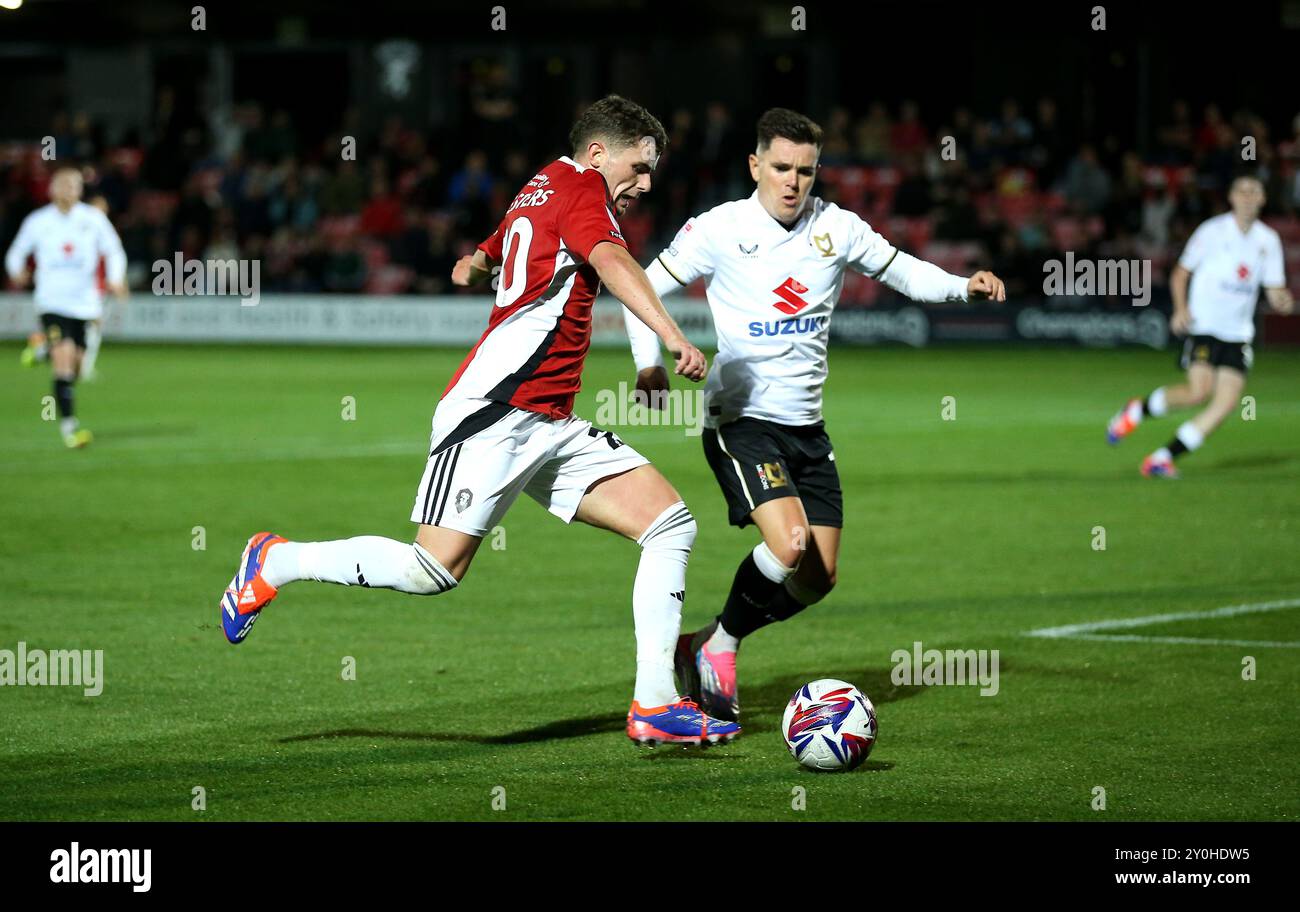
x: 960, y: 534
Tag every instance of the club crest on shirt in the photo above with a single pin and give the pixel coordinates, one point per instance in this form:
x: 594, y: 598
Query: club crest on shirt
x: 824, y: 245
x: 464, y: 497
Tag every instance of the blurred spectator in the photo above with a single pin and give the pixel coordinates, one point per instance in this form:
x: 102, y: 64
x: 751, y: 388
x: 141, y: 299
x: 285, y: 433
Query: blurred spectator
x: 382, y: 215
x: 913, y: 197
x: 1048, y: 150
x: 1087, y: 186
x: 871, y: 137
x: 1013, y: 134
x: 343, y: 191
x: 242, y: 181
x: 909, y: 135
x: 836, y: 148
x: 1176, y: 139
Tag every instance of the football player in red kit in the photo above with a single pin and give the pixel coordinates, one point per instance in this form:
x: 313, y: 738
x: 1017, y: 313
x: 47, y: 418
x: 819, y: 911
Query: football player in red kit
x: 505, y: 423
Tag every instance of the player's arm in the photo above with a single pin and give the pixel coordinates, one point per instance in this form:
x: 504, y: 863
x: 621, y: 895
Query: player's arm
x: 478, y: 268
x: 1275, y: 290
x: 19, y: 251
x: 1181, y: 318
x: 1198, y: 246
x: 472, y: 270
x: 687, y: 258
x: 923, y: 282
x: 1280, y: 299
x: 627, y: 281
x: 926, y: 283
x: 651, y: 376
x: 110, y: 246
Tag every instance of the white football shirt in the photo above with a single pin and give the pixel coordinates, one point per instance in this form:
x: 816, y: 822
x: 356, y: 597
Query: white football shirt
x: 772, y: 291
x: 1228, y: 267
x: 67, y: 248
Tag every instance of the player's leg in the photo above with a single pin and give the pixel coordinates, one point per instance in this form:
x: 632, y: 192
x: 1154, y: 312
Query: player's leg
x: 597, y: 479
x: 94, y: 336
x: 1229, y: 384
x: 1194, y: 359
x: 270, y: 562
x: 37, y: 349
x: 66, y: 341
x: 497, y: 459
x: 749, y: 461
x: 815, y: 578
x: 764, y: 572
x: 812, y: 533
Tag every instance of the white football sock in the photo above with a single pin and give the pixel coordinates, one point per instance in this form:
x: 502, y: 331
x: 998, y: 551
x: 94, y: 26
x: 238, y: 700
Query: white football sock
x: 721, y: 641
x: 1190, y: 436
x: 93, y: 337
x: 1157, y: 405
x: 367, y: 560
x: 1163, y: 454
x: 657, y: 597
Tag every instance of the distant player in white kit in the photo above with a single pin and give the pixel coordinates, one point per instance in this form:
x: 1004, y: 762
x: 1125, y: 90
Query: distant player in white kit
x: 1227, y: 259
x: 67, y: 238
x: 505, y: 425
x: 775, y: 265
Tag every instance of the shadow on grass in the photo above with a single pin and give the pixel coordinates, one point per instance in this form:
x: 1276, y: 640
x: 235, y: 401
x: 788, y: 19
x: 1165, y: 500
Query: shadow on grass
x: 1252, y: 461
x: 769, y: 699
x: 551, y: 731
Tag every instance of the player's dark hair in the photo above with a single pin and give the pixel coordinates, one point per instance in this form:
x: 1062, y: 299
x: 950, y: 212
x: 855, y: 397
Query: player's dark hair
x: 787, y: 124
x: 619, y: 122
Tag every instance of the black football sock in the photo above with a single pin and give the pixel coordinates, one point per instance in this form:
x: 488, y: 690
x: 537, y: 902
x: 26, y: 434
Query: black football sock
x: 1176, y: 448
x: 63, y: 396
x: 783, y: 606
x: 752, y: 590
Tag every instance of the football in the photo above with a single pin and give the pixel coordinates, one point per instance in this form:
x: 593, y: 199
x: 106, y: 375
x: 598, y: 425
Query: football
x: 829, y: 725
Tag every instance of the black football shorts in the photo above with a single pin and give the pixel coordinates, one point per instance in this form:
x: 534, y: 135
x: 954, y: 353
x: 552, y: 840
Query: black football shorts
x: 756, y: 461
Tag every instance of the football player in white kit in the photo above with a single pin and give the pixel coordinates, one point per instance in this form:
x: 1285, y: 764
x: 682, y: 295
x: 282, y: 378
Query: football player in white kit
x: 1227, y: 259
x: 775, y: 263
x: 67, y: 238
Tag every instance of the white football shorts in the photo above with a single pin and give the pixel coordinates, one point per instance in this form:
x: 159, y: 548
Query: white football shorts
x: 483, y: 454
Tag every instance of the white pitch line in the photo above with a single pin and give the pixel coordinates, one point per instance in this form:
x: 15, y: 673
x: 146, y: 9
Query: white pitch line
x: 1089, y: 630
x: 1184, y: 641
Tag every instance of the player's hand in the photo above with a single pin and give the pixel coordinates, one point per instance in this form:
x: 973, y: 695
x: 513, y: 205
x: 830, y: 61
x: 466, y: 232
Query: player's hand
x: 691, y: 362
x: 1180, y: 322
x: 652, y: 387
x: 1283, y: 301
x: 462, y: 273
x: 984, y: 285
x: 20, y: 279
x: 118, y: 290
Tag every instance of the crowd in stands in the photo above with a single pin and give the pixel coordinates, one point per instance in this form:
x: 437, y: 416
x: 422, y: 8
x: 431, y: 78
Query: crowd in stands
x: 1002, y: 189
